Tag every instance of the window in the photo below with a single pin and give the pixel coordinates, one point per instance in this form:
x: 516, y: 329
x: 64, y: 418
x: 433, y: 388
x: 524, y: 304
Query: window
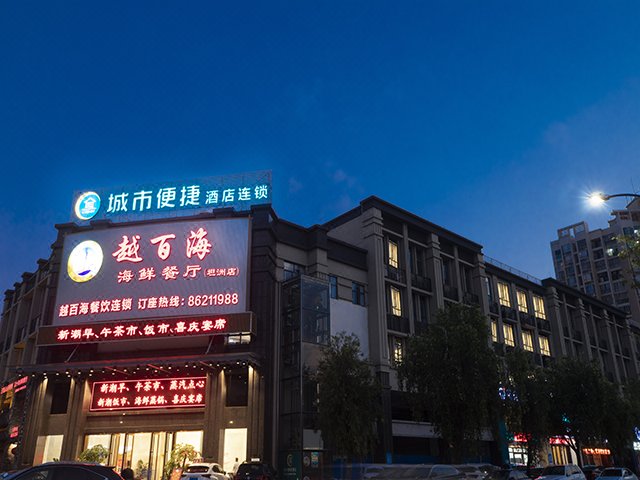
x: 292, y: 270
x: 544, y: 345
x: 333, y: 286
x: 392, y: 254
x: 509, y: 339
x: 237, y: 383
x: 494, y: 331
x: 396, y: 301
x: 397, y: 350
x: 522, y: 300
x: 421, y: 309
x: 447, y: 265
x: 60, y: 396
x: 487, y: 282
x: 357, y: 293
x: 503, y: 294
x: 538, y: 307
x: 527, y: 341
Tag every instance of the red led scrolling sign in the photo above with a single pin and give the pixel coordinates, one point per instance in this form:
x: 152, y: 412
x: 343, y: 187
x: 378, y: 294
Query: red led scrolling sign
x: 146, y: 394
x: 233, y: 323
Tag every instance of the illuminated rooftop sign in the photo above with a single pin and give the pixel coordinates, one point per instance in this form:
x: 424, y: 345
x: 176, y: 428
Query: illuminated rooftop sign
x: 169, y: 199
x: 179, y: 268
x: 145, y: 329
x: 156, y: 393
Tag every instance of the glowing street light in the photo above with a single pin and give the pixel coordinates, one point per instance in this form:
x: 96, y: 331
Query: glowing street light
x: 597, y: 199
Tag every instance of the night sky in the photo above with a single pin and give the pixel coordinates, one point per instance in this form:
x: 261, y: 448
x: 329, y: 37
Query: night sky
x: 492, y: 119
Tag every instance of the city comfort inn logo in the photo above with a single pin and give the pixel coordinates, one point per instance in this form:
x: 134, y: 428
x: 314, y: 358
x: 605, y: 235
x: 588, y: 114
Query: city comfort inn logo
x: 85, y: 261
x: 87, y: 205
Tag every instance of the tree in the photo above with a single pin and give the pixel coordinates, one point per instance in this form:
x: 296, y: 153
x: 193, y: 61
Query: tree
x: 178, y: 458
x: 348, y: 399
x: 95, y: 454
x: 527, y: 402
x: 450, y: 372
x: 630, y: 250
x: 579, y: 394
x: 618, y: 421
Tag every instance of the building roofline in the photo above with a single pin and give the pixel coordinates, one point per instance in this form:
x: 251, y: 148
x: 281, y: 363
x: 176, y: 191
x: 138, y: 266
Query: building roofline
x: 376, y: 202
x: 558, y: 285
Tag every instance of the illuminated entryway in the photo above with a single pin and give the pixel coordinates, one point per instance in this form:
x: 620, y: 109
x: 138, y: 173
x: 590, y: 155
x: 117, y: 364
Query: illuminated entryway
x: 144, y: 452
x: 235, y: 446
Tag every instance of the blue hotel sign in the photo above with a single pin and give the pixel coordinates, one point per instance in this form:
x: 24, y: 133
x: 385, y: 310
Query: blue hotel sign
x: 171, y: 199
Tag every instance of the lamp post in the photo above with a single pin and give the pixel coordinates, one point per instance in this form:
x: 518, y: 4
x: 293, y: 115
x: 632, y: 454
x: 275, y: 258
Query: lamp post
x: 598, y: 198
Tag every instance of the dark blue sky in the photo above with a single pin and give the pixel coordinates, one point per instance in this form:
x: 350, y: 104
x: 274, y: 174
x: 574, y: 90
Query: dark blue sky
x: 490, y: 118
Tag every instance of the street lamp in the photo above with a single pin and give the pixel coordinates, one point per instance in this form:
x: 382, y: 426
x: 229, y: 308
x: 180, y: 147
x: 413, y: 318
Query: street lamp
x: 598, y: 198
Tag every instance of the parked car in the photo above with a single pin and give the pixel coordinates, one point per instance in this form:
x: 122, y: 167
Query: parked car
x: 562, y: 472
x: 198, y: 471
x: 472, y: 472
x: 421, y: 472
x: 508, y: 474
x: 617, y: 474
x: 592, y: 471
x: 65, y: 471
x: 255, y: 471
x: 535, y: 472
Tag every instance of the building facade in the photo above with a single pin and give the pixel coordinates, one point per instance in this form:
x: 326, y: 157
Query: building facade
x: 588, y: 260
x: 123, y: 350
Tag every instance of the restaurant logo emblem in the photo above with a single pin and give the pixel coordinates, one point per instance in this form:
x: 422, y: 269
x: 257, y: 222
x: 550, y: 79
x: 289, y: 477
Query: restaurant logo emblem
x: 87, y: 205
x: 85, y: 261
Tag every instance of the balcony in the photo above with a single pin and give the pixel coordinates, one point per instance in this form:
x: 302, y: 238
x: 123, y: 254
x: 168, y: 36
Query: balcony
x: 508, y: 312
x: 450, y: 292
x: 394, y: 274
x: 494, y: 308
x: 577, y: 335
x: 423, y: 283
x: 470, y: 298
x: 527, y: 320
x: 603, y: 344
x: 499, y: 348
x: 544, y: 325
x: 397, y: 323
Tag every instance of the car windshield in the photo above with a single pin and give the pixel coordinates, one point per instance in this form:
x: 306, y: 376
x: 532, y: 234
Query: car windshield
x: 612, y: 472
x: 250, y: 468
x: 499, y: 475
x: 197, y: 469
x: 553, y: 470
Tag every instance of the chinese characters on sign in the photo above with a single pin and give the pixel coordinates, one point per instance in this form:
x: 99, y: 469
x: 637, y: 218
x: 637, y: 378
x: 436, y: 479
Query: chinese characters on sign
x: 239, y: 323
x: 239, y: 192
x: 149, y: 393
x: 151, y: 270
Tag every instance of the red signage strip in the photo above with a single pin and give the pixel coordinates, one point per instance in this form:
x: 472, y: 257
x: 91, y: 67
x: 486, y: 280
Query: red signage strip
x: 157, y: 393
x: 142, y: 329
x: 16, y: 386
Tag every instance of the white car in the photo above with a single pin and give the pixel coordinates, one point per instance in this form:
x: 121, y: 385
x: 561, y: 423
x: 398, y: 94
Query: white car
x: 200, y: 471
x: 617, y: 474
x: 561, y: 472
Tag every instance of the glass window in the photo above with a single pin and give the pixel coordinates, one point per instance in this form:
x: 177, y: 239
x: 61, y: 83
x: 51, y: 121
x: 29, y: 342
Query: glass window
x: 396, y: 301
x: 494, y: 331
x: 237, y: 383
x: 357, y: 293
x: 522, y: 300
x: 503, y: 294
x: 509, y: 338
x: 41, y: 474
x: 392, y: 254
x: 487, y: 282
x: 527, y: 341
x: 544, y: 345
x: 538, y: 307
x: 333, y: 286
x: 292, y: 270
x: 397, y: 350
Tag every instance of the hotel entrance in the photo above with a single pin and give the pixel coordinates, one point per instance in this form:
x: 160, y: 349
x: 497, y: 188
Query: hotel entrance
x: 146, y: 453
